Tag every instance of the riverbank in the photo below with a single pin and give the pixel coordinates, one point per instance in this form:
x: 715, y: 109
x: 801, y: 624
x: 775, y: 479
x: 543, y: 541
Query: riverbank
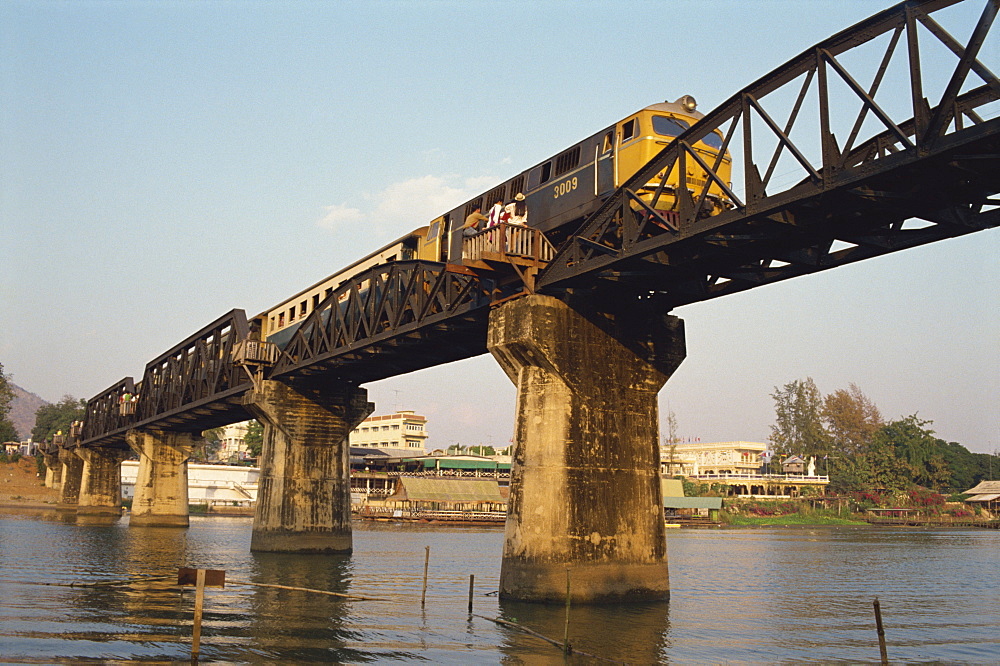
x: 21, y: 485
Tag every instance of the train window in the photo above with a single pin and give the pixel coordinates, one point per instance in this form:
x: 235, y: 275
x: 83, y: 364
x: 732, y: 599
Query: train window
x: 546, y: 172
x: 473, y: 205
x: 568, y: 160
x: 433, y: 230
x: 629, y: 130
x: 302, y: 309
x: 315, y: 301
x: 669, y: 126
x: 712, y: 139
x: 497, y: 194
x: 609, y: 140
x: 291, y: 315
x: 517, y: 187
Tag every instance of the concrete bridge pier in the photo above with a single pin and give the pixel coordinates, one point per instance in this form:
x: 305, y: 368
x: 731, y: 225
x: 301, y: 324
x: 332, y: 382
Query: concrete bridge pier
x: 161, y: 484
x: 585, y: 484
x: 304, y: 491
x: 53, y: 470
x: 101, y: 487
x: 72, y: 477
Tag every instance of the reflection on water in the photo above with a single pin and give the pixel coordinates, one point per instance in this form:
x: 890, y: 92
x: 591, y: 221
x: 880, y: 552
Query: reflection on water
x: 636, y: 634
x: 751, y: 596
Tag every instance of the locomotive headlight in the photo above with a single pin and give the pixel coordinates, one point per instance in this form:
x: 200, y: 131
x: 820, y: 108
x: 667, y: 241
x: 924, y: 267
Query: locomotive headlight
x: 688, y: 102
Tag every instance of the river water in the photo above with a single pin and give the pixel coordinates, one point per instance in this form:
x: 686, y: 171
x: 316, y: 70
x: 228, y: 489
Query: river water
x: 750, y: 595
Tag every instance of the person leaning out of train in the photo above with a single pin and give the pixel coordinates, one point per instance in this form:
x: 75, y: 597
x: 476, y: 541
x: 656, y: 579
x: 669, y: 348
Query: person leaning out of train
x: 517, y: 211
x: 472, y: 222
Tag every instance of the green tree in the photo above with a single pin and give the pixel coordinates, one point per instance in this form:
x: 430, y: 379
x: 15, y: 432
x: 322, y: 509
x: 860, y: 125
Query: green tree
x: 50, y: 419
x: 254, y: 438
x: 798, y: 427
x: 852, y: 420
x: 7, y: 431
x: 919, y: 451
x: 208, y: 446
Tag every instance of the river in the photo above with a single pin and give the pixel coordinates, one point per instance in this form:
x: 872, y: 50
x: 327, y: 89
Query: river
x: 748, y: 595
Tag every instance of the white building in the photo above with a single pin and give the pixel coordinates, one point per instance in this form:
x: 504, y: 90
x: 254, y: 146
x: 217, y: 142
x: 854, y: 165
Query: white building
x: 402, y: 433
x: 694, y: 459
x: 226, y: 485
x: 232, y: 441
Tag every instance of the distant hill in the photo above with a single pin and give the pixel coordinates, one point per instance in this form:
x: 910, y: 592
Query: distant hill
x: 22, y: 411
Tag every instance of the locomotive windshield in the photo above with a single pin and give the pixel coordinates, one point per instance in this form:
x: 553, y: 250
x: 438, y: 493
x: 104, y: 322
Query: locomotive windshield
x: 712, y: 139
x: 668, y: 125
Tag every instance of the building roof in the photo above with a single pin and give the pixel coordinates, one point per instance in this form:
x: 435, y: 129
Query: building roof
x: 984, y: 488
x: 436, y: 489
x: 462, y: 462
x: 692, y: 502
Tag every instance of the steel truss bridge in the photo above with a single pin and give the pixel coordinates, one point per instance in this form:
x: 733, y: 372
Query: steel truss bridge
x: 831, y: 165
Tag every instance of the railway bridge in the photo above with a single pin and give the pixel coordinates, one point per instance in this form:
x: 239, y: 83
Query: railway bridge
x: 876, y: 168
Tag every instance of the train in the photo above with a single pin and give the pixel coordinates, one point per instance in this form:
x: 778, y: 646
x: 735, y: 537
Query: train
x: 558, y: 192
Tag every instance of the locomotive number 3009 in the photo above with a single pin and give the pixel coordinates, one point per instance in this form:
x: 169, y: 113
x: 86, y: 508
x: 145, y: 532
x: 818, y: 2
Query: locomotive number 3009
x: 564, y: 188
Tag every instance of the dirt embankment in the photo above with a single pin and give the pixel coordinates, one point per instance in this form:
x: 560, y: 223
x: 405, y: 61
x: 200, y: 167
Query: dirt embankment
x: 20, y: 483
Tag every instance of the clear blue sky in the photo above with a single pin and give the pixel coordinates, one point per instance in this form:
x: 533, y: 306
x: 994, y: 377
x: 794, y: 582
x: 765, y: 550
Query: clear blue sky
x: 164, y: 162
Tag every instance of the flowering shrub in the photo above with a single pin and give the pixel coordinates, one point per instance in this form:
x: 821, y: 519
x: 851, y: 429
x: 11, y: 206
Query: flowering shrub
x: 925, y: 499
x: 867, y: 500
x: 959, y: 512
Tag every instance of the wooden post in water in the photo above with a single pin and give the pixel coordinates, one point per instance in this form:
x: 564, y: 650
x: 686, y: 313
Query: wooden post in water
x: 881, y: 632
x: 199, y: 578
x: 199, y: 603
x: 472, y: 582
x: 427, y: 559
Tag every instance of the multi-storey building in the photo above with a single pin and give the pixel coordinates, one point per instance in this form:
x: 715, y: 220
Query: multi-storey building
x: 232, y: 442
x: 402, y: 433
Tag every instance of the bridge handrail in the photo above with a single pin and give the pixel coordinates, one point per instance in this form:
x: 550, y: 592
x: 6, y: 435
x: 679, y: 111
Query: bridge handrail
x: 507, y: 240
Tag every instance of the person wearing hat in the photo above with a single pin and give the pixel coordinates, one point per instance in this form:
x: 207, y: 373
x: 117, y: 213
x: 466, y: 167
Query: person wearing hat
x: 518, y: 211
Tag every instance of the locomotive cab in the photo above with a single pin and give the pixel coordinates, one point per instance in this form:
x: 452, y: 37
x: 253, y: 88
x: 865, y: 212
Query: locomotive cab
x: 642, y: 136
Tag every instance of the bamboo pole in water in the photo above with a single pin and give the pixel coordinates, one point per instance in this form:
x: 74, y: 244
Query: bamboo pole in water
x: 427, y: 559
x: 881, y: 632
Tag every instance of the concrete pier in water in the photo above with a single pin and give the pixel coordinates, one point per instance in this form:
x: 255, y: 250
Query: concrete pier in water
x: 161, y: 486
x: 53, y: 471
x: 101, y: 487
x: 72, y: 478
x: 304, y: 495
x: 585, y: 485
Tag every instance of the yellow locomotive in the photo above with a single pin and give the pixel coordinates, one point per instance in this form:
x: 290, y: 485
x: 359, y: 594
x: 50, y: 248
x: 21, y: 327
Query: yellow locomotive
x: 558, y: 193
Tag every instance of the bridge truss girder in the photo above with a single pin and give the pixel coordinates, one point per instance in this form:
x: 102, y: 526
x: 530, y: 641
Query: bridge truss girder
x: 939, y: 164
x: 392, y: 319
